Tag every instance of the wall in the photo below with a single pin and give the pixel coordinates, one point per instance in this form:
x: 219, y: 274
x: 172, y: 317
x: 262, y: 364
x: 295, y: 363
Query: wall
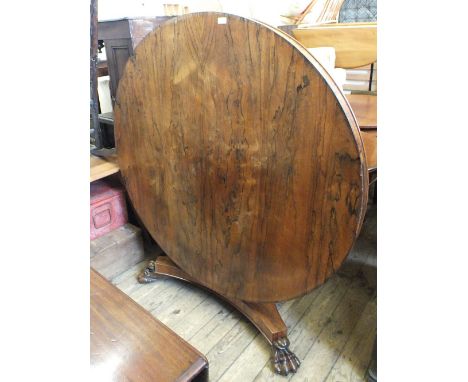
x: 269, y: 12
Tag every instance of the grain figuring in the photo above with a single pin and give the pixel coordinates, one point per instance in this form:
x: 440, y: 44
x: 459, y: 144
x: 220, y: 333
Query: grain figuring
x: 241, y: 156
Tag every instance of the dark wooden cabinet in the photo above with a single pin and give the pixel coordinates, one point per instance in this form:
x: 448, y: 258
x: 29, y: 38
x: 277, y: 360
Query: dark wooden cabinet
x: 120, y: 38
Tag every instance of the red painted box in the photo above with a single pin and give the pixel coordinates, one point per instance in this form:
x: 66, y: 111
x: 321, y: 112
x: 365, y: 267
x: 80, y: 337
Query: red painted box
x: 108, y: 208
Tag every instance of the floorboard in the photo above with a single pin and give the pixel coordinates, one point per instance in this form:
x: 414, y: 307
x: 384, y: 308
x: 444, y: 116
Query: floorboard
x: 331, y: 329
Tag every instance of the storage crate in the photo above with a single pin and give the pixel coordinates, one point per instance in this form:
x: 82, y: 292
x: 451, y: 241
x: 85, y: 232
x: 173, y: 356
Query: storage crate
x: 108, y: 208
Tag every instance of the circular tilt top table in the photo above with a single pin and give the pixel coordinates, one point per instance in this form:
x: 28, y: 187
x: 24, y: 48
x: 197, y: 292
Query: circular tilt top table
x: 244, y: 161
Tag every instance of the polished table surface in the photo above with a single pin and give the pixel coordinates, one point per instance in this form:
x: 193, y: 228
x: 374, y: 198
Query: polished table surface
x: 365, y: 109
x: 129, y: 344
x: 244, y: 139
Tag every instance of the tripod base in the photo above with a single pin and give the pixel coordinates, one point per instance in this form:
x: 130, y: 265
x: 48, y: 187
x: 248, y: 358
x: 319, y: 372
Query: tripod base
x: 264, y: 316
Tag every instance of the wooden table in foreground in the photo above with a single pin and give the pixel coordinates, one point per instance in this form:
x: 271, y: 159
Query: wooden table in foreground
x: 365, y: 109
x: 129, y: 344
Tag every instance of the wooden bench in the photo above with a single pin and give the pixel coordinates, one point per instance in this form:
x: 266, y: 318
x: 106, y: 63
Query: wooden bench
x: 129, y: 344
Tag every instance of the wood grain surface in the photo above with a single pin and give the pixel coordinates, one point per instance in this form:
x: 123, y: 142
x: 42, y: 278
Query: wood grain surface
x: 355, y: 43
x: 102, y: 167
x: 241, y: 156
x: 369, y: 139
x: 264, y: 316
x: 128, y: 344
x: 365, y: 108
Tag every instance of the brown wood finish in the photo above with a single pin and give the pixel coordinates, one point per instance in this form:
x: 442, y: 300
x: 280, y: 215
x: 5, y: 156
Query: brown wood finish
x: 332, y: 327
x: 241, y: 156
x: 128, y: 344
x: 365, y: 114
x: 120, y: 38
x: 369, y: 138
x: 365, y: 109
x: 102, y: 69
x: 264, y: 316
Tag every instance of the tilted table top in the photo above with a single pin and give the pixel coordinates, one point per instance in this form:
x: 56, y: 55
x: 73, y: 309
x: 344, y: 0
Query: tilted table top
x: 240, y: 155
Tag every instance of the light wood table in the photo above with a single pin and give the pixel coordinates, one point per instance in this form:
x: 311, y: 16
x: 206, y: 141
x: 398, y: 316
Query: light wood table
x: 102, y: 167
x: 355, y: 43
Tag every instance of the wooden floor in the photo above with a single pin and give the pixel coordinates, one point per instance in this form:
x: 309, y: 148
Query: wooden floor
x: 332, y: 329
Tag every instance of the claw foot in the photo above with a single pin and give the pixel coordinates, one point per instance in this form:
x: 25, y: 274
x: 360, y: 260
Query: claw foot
x: 284, y: 360
x: 148, y: 275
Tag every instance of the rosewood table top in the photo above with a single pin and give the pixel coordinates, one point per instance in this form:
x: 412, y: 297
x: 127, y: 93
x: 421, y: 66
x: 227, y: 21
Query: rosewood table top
x: 241, y: 156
